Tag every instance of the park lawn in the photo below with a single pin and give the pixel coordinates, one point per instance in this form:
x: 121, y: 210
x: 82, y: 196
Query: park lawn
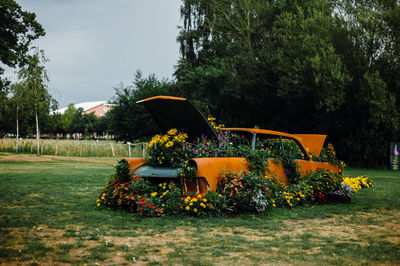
x: 48, y: 214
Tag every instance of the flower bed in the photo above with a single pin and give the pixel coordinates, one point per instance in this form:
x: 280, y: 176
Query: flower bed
x: 256, y: 190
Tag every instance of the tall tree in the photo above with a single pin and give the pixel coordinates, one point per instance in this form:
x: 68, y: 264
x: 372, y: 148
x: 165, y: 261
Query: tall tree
x: 67, y: 118
x: 18, y: 97
x: 318, y: 66
x: 34, y: 81
x: 130, y: 121
x: 17, y: 30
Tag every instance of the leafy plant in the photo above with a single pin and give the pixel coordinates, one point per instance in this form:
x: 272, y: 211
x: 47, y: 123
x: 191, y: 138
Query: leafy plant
x: 248, y: 191
x: 257, y: 161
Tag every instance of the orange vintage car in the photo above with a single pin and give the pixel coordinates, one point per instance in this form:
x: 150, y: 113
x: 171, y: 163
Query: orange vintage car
x: 180, y: 113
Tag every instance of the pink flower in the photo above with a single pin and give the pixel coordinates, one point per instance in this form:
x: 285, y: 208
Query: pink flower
x: 395, y: 150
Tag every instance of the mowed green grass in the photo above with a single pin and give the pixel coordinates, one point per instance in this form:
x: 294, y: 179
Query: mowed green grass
x: 48, y: 214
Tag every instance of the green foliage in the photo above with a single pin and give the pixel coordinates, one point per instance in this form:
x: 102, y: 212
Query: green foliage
x: 168, y: 150
x: 257, y: 161
x: 323, y: 182
x: 18, y: 29
x: 311, y: 66
x: 248, y: 190
x: 138, y: 194
x: 130, y: 121
x: 220, y: 204
x: 121, y: 171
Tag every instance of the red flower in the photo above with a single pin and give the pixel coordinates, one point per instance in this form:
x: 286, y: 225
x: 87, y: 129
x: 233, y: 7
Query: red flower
x: 134, y: 180
x: 141, y: 209
x: 268, y: 192
x: 263, y: 187
x: 147, y: 205
x: 141, y: 203
x: 243, y: 136
x: 152, y: 207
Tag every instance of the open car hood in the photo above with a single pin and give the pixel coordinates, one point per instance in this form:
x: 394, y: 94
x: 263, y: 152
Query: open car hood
x: 174, y: 112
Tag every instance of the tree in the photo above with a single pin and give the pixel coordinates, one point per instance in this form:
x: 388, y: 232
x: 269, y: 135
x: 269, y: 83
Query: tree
x: 18, y: 29
x: 18, y: 96
x: 67, y: 118
x: 130, y: 121
x: 318, y: 66
x: 34, y: 81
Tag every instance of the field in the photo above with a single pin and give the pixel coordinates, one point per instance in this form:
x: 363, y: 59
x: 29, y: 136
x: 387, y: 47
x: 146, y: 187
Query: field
x: 48, y: 215
x: 75, y: 148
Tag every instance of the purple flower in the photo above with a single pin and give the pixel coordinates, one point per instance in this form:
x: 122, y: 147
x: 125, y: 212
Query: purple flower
x: 195, y: 151
x: 395, y: 150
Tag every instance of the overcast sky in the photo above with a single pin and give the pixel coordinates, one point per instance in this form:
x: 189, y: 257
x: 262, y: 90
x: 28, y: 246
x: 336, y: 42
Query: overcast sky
x: 94, y: 45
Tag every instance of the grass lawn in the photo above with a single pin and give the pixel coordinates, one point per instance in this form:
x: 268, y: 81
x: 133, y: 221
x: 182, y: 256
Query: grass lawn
x: 48, y: 214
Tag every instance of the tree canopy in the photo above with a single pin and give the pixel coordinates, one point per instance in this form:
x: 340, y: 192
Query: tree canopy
x: 130, y: 121
x: 18, y: 29
x: 314, y: 66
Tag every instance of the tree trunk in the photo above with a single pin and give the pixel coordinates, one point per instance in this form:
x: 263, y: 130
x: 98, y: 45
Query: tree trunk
x: 16, y: 145
x: 37, y: 132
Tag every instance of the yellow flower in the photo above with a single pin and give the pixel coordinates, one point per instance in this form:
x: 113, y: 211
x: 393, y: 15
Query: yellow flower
x: 172, y: 131
x: 274, y: 205
x: 194, y: 200
x: 187, y: 208
x: 204, y: 200
x: 97, y: 201
x: 98, y: 204
x: 153, y: 194
x: 160, y: 185
x: 199, y: 196
x: 169, y: 144
x: 195, y: 210
x: 190, y: 204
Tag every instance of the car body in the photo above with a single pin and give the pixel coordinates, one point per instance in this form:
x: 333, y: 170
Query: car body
x: 175, y: 112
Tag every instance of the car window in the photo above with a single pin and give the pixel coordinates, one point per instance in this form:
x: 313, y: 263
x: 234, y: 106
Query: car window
x: 274, y: 144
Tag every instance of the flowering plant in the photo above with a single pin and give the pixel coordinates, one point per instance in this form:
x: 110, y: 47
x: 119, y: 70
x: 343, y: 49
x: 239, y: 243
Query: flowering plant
x: 249, y: 192
x: 167, y: 150
x: 139, y: 194
x: 357, y: 183
x: 323, y: 182
x: 395, y: 161
x: 197, y: 206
